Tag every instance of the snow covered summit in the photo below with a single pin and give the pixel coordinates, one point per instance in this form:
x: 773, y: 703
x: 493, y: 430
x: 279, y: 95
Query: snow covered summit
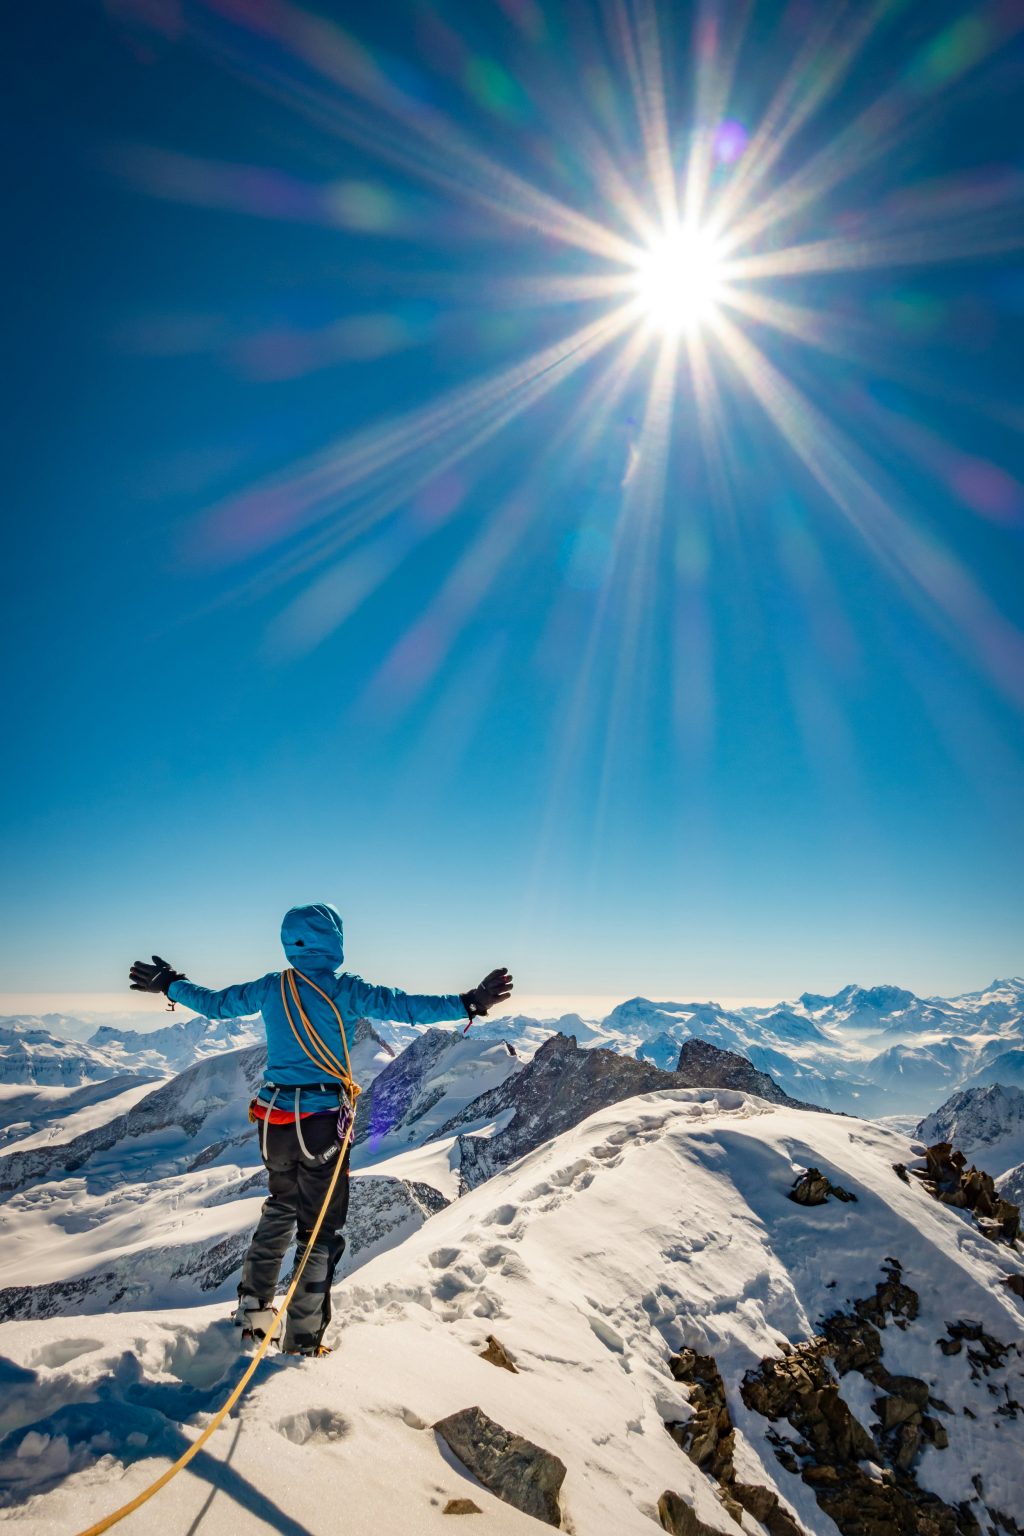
x: 664, y: 1303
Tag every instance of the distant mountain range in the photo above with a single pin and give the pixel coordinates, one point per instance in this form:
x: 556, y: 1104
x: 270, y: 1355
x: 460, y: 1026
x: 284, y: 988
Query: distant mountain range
x: 873, y: 1051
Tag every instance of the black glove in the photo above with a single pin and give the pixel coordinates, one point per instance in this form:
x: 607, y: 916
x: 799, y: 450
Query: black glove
x: 494, y: 988
x: 153, y: 978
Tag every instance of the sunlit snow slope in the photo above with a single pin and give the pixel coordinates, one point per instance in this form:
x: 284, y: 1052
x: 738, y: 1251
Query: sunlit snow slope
x: 659, y: 1223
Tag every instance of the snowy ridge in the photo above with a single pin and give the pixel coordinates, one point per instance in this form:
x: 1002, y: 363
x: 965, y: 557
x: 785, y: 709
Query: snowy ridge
x: 659, y: 1223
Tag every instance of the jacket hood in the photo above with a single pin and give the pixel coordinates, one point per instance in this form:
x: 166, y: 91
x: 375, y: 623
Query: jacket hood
x: 313, y: 937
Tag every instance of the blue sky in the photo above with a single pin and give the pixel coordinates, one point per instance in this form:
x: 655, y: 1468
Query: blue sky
x: 338, y: 568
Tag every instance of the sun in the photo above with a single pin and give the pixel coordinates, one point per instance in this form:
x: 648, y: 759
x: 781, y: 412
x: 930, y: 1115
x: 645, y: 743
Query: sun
x: 679, y: 280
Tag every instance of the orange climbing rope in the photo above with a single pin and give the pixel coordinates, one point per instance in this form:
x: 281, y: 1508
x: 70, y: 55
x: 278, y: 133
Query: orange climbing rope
x: 344, y: 1076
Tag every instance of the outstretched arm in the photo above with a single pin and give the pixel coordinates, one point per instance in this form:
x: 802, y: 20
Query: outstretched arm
x: 230, y: 1003
x: 358, y: 997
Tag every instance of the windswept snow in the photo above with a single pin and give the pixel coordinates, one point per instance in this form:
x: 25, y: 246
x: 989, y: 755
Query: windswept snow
x: 657, y: 1223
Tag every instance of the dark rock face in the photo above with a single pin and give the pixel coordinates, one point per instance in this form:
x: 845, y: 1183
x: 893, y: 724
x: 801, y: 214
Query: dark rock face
x: 812, y: 1188
x: 509, y: 1466
x: 706, y: 1066
x: 679, y: 1519
x: 709, y: 1439
x: 831, y: 1446
x: 563, y: 1084
x: 947, y: 1178
x: 364, y: 1033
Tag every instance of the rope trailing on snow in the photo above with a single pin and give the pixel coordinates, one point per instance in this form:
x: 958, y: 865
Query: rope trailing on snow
x: 344, y: 1076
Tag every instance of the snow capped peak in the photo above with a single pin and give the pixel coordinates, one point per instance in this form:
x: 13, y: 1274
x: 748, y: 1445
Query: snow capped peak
x: 855, y: 998
x: 985, y: 1123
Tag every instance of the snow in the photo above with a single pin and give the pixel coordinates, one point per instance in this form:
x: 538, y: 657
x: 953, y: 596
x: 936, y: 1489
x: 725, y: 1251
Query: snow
x: 985, y: 1124
x: 876, y: 1050
x: 659, y: 1222
x: 63, y: 1113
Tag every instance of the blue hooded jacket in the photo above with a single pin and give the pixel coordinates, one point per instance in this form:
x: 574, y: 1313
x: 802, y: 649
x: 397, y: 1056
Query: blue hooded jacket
x: 313, y: 942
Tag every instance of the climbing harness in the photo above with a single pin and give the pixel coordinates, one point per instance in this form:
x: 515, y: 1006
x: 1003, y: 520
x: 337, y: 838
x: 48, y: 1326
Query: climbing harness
x: 328, y: 1063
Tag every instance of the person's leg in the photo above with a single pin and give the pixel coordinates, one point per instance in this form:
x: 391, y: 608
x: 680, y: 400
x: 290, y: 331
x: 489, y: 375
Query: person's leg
x: 310, y: 1309
x: 275, y: 1231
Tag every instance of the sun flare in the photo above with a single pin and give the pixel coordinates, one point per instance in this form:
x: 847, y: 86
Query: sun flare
x: 679, y: 281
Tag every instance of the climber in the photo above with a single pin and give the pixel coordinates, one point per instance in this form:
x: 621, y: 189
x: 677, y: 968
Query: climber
x: 301, y: 1136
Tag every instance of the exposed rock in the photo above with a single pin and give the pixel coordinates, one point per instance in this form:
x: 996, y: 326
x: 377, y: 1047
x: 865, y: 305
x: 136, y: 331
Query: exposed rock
x: 708, y: 1066
x: 511, y: 1467
x: 709, y: 1439
x: 497, y: 1354
x: 900, y: 1170
x: 812, y: 1188
x: 461, y: 1507
x: 679, y: 1519
x: 832, y: 1447
x: 563, y: 1084
x: 1015, y: 1284
x: 707, y: 1436
x: 987, y: 1355
x: 892, y: 1299
x: 947, y: 1178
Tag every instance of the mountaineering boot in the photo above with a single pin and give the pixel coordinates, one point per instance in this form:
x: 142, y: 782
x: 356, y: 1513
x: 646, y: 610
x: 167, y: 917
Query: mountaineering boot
x: 310, y: 1352
x: 256, y: 1319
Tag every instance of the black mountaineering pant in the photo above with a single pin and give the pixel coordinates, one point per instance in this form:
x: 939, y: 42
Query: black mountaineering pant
x: 297, y: 1190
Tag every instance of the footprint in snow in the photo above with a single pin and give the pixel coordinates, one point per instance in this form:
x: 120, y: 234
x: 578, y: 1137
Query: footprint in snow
x: 314, y: 1424
x: 63, y: 1351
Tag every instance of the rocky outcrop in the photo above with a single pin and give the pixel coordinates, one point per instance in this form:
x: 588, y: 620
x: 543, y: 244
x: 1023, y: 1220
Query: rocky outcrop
x: 988, y: 1354
x: 812, y: 1188
x: 680, y: 1519
x: 947, y: 1178
x: 509, y: 1466
x: 497, y: 1354
x: 709, y: 1439
x: 563, y: 1084
x: 704, y: 1065
x: 863, y: 1480
x: 832, y: 1452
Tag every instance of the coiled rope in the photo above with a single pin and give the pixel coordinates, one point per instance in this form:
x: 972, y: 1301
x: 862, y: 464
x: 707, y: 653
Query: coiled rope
x: 327, y: 1062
